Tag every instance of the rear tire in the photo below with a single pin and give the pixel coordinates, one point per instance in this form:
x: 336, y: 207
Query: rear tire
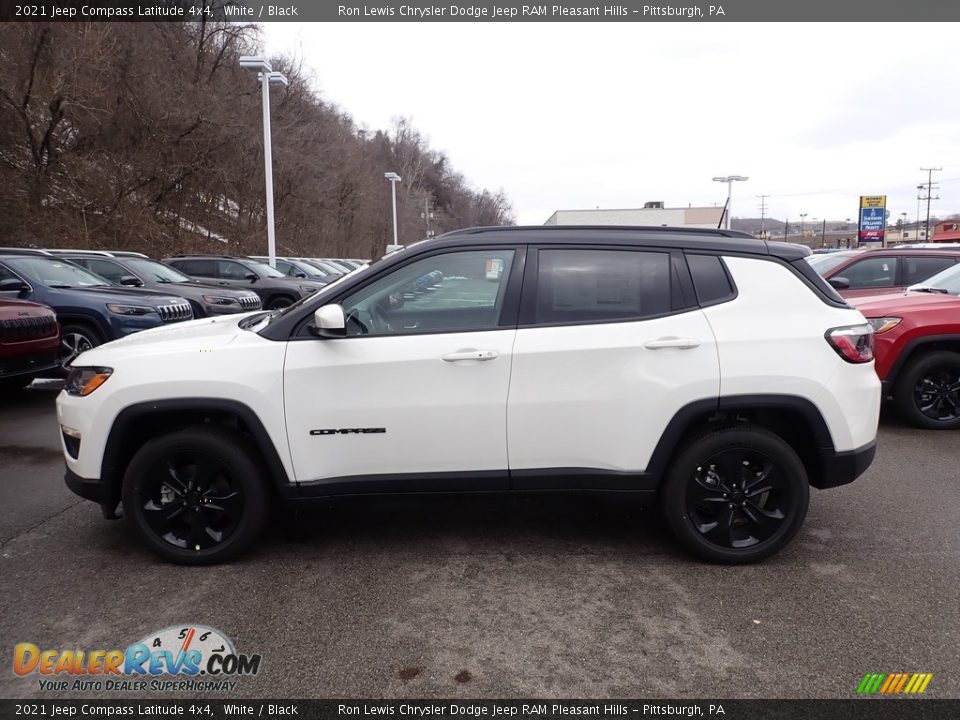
x: 196, y: 496
x: 736, y: 495
x: 927, y: 393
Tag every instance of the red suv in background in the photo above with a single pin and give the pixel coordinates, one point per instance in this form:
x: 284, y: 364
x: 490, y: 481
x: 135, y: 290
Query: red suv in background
x: 29, y: 343
x: 855, y: 273
x: 917, y: 349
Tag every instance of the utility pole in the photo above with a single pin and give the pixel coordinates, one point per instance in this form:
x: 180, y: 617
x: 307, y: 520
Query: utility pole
x: 763, y: 214
x: 427, y: 214
x: 823, y: 234
x: 786, y: 229
x: 930, y: 187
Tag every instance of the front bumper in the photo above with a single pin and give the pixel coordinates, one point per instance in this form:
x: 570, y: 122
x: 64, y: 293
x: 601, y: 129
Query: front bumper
x: 96, y: 490
x: 841, y: 468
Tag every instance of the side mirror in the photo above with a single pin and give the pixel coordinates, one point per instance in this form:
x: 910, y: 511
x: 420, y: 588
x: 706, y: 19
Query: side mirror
x: 839, y: 283
x: 300, y: 274
x: 131, y: 281
x: 250, y: 276
x: 12, y: 285
x: 329, y: 322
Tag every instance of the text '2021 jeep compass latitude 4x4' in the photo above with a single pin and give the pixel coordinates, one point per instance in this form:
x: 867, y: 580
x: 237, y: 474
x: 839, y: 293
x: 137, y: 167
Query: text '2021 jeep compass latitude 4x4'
x: 715, y: 371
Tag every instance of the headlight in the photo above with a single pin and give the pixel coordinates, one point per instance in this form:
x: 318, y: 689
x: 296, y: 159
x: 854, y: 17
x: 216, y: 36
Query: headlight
x: 84, y: 380
x: 308, y: 289
x: 129, y: 309
x: 219, y: 300
x: 881, y: 325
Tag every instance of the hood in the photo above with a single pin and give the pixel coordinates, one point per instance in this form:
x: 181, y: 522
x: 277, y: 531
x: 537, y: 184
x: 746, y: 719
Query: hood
x: 117, y: 293
x: 22, y: 308
x: 192, y: 335
x: 893, y: 303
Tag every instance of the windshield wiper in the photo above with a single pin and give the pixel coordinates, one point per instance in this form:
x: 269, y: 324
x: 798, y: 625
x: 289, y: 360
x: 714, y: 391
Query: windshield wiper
x: 926, y: 288
x: 60, y: 286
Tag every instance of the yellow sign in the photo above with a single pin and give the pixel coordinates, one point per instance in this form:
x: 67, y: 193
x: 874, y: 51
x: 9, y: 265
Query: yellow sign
x: 873, y: 201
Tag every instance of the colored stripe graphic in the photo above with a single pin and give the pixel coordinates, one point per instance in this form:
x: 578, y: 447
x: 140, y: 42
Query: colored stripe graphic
x: 894, y: 683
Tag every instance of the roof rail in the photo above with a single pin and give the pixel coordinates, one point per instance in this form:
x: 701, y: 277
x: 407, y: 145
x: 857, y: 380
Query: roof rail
x: 624, y: 228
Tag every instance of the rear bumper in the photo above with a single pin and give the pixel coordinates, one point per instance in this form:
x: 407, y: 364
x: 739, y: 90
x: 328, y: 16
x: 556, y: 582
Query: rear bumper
x: 841, y: 468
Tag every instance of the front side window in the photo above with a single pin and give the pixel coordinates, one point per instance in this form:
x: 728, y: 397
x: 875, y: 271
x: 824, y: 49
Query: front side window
x: 231, y: 270
x: 199, y: 268
x: 871, y: 273
x: 601, y: 285
x: 104, y: 268
x: 456, y: 291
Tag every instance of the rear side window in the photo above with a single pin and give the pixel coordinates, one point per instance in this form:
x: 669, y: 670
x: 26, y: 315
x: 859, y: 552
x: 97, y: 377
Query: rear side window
x: 918, y: 269
x: 710, y: 279
x: 598, y: 285
x: 202, y: 268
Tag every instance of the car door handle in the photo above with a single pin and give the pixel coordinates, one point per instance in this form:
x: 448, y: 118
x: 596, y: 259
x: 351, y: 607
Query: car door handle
x: 672, y: 342
x: 470, y: 355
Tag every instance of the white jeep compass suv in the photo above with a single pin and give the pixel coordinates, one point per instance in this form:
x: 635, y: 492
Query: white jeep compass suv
x: 712, y: 371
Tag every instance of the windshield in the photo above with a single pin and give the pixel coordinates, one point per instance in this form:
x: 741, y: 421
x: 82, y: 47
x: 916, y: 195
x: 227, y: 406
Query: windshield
x: 828, y: 261
x: 58, y: 273
x: 948, y: 280
x: 156, y: 271
x: 264, y: 269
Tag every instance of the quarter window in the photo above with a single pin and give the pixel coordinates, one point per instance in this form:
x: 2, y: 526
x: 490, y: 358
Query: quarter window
x: 456, y: 291
x: 709, y: 278
x: 598, y: 285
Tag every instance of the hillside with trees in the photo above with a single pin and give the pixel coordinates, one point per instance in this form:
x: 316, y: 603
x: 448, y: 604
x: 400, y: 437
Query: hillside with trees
x: 148, y: 137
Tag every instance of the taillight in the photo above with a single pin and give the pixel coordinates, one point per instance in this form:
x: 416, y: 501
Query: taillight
x: 854, y: 343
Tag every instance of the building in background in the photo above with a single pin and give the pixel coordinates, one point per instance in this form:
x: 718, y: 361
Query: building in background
x: 946, y: 231
x: 652, y: 214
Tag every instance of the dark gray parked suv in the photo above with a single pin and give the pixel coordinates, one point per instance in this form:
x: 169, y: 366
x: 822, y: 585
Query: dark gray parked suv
x: 207, y: 298
x: 275, y: 289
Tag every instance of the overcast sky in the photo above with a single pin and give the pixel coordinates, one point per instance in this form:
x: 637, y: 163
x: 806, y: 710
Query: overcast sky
x: 610, y: 115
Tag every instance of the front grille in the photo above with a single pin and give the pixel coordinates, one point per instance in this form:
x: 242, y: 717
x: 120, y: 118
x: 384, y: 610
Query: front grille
x: 250, y: 302
x: 175, y: 312
x: 27, y: 328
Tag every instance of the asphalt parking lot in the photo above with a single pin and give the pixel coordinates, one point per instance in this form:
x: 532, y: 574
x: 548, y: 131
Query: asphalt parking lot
x: 501, y: 598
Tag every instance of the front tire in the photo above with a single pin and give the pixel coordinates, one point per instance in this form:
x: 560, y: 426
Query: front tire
x: 927, y: 393
x: 280, y: 302
x: 76, y: 338
x: 736, y: 495
x: 196, y: 496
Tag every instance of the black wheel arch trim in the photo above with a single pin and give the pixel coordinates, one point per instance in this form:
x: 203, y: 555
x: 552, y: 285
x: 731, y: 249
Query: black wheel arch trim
x: 835, y: 468
x: 113, y: 450
x: 907, y: 353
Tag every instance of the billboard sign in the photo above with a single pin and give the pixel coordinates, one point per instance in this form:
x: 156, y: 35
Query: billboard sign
x: 873, y: 219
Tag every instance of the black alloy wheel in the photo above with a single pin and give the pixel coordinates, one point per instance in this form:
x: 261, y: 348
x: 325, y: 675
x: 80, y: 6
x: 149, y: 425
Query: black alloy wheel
x: 736, y: 495
x: 927, y: 393
x: 196, y: 496
x: 738, y: 498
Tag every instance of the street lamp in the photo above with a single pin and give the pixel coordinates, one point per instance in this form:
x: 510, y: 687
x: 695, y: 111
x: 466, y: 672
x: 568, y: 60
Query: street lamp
x: 394, y: 179
x: 802, y: 217
x: 267, y: 77
x: 729, y: 180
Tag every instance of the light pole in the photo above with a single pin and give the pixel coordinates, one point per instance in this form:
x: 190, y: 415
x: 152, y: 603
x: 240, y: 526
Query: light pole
x: 903, y: 224
x: 267, y: 77
x: 729, y: 180
x: 394, y: 179
x: 802, y: 217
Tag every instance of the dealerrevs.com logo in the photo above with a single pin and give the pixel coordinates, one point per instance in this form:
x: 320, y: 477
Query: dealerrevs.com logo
x: 187, y: 658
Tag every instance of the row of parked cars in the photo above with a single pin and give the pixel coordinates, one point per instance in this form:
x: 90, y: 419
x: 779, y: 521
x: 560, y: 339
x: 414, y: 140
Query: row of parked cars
x: 910, y: 297
x: 56, y: 304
